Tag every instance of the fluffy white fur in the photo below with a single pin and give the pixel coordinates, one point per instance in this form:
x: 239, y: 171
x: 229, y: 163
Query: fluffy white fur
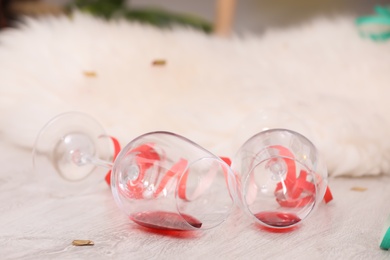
x: 322, y: 72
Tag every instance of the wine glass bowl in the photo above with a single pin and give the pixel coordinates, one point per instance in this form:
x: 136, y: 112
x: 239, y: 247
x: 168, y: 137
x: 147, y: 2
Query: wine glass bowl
x: 282, y: 177
x: 163, y: 180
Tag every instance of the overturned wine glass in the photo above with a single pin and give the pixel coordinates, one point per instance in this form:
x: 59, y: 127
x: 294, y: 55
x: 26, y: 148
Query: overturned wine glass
x: 160, y: 180
x: 281, y: 176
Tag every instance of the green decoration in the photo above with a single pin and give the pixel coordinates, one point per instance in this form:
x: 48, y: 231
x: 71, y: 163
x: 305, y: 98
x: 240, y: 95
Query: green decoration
x: 375, y: 27
x: 385, y: 240
x: 154, y: 16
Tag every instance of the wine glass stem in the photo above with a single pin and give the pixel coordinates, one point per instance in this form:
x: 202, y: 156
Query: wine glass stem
x: 99, y: 162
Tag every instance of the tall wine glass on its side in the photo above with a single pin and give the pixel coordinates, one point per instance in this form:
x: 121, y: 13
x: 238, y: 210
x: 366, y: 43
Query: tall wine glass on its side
x: 160, y: 180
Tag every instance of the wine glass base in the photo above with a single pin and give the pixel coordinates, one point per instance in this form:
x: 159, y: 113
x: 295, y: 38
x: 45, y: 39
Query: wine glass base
x: 68, y: 142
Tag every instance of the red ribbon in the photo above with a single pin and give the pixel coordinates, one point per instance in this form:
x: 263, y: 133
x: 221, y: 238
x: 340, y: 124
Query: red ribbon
x: 117, y: 149
x: 300, y: 191
x: 146, y: 157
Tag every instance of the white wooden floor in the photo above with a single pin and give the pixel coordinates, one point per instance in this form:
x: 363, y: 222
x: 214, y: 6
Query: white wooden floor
x: 40, y: 216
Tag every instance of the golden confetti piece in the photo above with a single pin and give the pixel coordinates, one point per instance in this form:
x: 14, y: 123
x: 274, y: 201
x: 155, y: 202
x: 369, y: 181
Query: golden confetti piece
x: 83, y: 243
x: 159, y: 62
x: 361, y: 189
x: 90, y: 74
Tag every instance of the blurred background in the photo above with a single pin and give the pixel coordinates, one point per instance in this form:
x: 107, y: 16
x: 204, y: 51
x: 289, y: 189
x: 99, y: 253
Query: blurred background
x: 249, y: 15
x: 256, y: 15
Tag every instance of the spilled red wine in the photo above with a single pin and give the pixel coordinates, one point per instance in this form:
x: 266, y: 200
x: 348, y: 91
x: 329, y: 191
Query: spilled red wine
x: 165, y: 220
x: 277, y: 219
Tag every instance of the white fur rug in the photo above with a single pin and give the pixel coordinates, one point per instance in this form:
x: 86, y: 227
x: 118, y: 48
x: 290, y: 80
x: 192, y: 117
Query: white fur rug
x: 322, y: 72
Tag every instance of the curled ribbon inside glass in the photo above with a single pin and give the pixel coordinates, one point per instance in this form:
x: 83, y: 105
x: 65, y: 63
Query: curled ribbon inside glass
x: 281, y: 178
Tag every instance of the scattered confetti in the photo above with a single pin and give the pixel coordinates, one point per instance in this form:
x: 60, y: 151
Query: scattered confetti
x: 159, y: 62
x: 90, y: 74
x: 361, y: 189
x: 83, y: 243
